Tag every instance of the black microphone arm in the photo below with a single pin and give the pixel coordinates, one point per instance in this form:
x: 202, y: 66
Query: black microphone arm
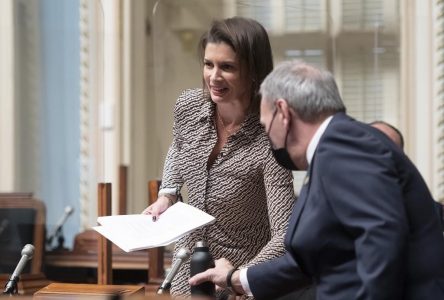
x: 182, y: 255
x: 68, y: 211
x: 11, y: 285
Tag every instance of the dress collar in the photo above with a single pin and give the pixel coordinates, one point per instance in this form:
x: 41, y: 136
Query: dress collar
x: 249, y: 128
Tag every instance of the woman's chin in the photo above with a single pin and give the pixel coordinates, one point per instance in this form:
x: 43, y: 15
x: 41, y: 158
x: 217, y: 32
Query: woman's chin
x: 217, y: 98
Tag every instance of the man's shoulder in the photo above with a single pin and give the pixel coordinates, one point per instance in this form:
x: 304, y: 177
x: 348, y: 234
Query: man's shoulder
x: 342, y: 121
x: 343, y: 126
x: 346, y: 138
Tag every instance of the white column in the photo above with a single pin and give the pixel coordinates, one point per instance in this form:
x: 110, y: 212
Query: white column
x: 417, y: 84
x: 438, y: 93
x: 423, y: 147
x: 7, y: 112
x: 139, y: 105
x: 109, y: 108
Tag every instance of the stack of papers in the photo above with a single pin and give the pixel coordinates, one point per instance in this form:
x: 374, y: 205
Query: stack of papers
x: 136, y: 232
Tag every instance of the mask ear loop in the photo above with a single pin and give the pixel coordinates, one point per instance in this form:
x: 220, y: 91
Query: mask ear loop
x: 272, y: 120
x: 269, y: 127
x: 289, y: 127
x: 288, y: 132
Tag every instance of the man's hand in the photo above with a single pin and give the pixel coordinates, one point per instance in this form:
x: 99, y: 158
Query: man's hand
x: 218, y: 275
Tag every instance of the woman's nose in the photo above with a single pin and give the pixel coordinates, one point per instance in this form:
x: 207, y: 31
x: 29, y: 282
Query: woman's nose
x: 215, y: 74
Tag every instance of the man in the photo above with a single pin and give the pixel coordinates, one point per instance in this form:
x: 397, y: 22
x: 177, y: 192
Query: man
x: 390, y: 131
x: 396, y: 136
x: 363, y: 226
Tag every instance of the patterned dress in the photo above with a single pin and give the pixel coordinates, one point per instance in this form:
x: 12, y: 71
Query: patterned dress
x: 245, y: 189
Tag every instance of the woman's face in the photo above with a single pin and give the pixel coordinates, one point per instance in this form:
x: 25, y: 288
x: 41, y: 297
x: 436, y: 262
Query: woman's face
x: 222, y: 74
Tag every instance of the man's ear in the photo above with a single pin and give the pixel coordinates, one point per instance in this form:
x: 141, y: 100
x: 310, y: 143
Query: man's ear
x: 284, y: 109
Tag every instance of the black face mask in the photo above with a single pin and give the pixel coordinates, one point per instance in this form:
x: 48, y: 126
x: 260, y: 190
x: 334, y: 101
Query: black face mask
x: 283, y: 158
x: 281, y: 155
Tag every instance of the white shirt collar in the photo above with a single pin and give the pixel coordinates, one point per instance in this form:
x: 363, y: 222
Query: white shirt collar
x: 315, y: 139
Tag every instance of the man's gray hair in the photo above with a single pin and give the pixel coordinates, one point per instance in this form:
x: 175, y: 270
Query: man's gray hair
x: 310, y: 91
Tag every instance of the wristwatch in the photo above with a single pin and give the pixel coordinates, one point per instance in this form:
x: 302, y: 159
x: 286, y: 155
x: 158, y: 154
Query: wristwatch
x: 229, y: 283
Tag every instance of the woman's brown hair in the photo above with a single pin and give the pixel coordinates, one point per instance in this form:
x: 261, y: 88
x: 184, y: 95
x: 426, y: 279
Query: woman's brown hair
x: 250, y: 42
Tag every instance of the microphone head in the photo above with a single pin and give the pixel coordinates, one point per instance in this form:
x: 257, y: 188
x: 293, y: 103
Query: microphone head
x: 28, y: 250
x: 69, y: 210
x: 183, y: 253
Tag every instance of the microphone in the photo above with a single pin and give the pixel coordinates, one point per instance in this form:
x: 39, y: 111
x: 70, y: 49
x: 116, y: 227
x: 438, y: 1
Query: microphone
x: 11, y: 285
x: 182, y: 255
x: 68, y: 211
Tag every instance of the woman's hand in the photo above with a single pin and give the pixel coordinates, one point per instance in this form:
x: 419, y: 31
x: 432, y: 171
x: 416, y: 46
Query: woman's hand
x: 157, y: 208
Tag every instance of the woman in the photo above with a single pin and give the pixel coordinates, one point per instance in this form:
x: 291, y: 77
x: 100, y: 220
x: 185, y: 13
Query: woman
x: 222, y: 153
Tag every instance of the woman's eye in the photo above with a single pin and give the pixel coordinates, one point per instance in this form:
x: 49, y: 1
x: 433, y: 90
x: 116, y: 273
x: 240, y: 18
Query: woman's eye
x: 227, y: 67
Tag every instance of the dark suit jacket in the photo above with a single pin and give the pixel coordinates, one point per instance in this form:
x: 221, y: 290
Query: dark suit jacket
x: 364, y: 225
x: 440, y: 211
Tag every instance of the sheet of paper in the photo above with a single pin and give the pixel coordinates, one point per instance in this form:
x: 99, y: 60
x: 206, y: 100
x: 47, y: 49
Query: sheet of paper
x: 136, y: 232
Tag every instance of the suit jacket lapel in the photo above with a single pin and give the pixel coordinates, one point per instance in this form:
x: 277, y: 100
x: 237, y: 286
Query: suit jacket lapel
x: 303, y: 194
x: 298, y: 208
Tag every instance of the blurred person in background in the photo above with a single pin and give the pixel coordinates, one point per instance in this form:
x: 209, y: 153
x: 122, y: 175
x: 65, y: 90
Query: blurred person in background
x: 396, y: 136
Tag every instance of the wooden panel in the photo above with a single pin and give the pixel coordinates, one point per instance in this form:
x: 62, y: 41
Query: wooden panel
x: 88, y: 291
x: 28, y: 283
x: 156, y: 255
x: 23, y: 201
x: 83, y: 262
x: 104, y: 268
x: 84, y: 255
x: 123, y: 182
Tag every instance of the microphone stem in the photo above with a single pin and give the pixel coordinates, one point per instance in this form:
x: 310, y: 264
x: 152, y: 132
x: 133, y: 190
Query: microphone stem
x: 162, y: 288
x: 11, y: 285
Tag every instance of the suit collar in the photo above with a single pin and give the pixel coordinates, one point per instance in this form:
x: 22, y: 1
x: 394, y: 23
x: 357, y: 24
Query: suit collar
x: 315, y: 139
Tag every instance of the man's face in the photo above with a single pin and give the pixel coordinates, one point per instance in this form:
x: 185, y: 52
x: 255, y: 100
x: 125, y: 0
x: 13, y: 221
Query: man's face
x: 286, y: 130
x: 271, y: 119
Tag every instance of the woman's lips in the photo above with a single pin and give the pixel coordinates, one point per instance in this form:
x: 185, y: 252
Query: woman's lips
x: 218, y: 91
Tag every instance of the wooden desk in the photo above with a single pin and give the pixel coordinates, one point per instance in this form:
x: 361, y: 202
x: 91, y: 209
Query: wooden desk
x: 81, y: 267
x: 137, y: 260
x: 88, y: 291
x: 28, y: 283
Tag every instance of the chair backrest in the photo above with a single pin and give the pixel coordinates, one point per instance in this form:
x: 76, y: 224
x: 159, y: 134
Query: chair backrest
x: 156, y: 270
x: 123, y: 189
x: 22, y: 221
x: 104, y: 254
